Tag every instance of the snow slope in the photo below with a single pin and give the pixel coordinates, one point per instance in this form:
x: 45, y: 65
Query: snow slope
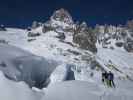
x: 121, y: 62
x: 80, y: 90
x: 10, y: 90
x: 46, y: 45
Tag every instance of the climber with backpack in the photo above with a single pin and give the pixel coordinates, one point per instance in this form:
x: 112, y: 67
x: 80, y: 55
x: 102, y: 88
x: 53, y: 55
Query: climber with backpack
x: 104, y: 77
x: 111, y: 79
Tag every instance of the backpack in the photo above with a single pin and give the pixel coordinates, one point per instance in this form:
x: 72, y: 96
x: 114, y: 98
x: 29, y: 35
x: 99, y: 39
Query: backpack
x: 110, y: 76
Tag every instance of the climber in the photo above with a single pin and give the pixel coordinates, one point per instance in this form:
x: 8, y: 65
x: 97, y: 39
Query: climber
x: 111, y: 79
x: 104, y: 77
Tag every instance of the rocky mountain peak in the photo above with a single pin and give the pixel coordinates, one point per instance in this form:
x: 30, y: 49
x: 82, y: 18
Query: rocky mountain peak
x: 62, y: 15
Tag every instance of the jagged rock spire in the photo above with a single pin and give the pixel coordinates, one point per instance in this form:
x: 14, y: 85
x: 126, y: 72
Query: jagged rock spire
x: 62, y: 15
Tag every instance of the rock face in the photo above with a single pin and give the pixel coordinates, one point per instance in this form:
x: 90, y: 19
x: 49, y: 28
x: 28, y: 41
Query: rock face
x: 107, y: 36
x: 115, y: 36
x: 61, y: 20
x: 62, y: 15
x: 62, y: 23
x: 85, y: 37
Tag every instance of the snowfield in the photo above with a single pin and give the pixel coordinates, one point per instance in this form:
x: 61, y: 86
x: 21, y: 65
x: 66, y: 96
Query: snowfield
x: 80, y: 90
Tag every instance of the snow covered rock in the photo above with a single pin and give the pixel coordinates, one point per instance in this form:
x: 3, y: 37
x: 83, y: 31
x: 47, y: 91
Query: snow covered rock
x: 62, y: 15
x: 32, y: 34
x: 111, y: 36
x: 81, y: 90
x: 85, y: 37
x: 60, y: 20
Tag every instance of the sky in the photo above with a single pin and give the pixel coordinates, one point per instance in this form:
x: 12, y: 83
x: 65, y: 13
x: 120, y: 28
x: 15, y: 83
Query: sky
x: 21, y: 13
